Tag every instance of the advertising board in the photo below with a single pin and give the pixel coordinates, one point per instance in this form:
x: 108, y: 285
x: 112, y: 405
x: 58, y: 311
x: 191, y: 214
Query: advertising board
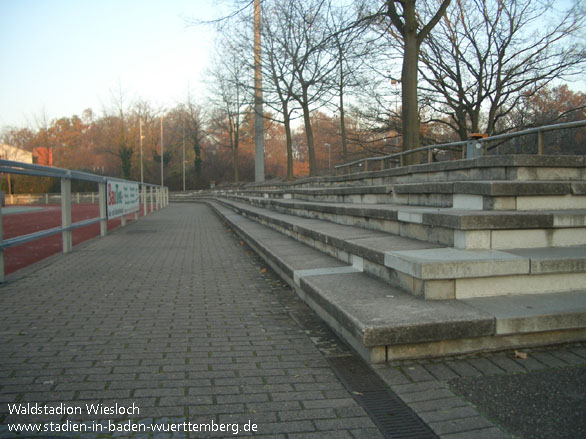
x: 121, y: 198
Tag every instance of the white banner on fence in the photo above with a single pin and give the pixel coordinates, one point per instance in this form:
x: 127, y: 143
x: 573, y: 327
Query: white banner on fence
x: 121, y: 198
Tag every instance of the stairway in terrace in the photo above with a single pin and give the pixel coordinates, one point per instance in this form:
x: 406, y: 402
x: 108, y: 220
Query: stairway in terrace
x: 436, y: 259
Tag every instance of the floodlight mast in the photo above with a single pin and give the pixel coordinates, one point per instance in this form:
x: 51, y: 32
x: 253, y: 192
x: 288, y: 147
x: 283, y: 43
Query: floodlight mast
x: 259, y: 143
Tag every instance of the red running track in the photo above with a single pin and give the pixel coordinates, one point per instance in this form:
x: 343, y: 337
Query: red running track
x: 17, y: 224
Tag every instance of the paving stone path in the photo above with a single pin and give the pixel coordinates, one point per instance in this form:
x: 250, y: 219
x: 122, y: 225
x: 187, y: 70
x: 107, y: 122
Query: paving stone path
x: 176, y: 321
x: 173, y: 315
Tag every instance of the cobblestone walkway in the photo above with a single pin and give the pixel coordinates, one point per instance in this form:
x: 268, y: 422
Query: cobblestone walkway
x: 172, y: 316
x: 174, y: 324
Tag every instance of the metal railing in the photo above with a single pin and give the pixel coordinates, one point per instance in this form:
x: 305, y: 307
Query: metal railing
x: 159, y: 197
x: 470, y: 148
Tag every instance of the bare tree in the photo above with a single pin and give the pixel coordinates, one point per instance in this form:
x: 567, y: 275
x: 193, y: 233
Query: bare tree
x: 406, y: 20
x: 485, y: 56
x: 354, y: 48
x: 230, y: 94
x: 280, y: 86
x: 117, y: 121
x: 194, y: 132
x: 308, y: 47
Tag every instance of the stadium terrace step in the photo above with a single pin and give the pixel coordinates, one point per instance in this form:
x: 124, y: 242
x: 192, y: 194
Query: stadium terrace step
x: 425, y: 269
x: 384, y: 323
x: 489, y: 168
x: 496, y: 244
x: 339, y: 194
x: 477, y: 195
x: 494, y: 195
x: 460, y: 228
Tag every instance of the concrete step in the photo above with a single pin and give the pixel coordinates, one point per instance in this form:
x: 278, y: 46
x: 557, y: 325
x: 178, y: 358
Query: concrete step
x: 489, y: 168
x: 384, y: 323
x: 336, y: 194
x: 185, y: 197
x: 476, y: 195
x: 427, y: 270
x: 494, y: 195
x: 460, y: 228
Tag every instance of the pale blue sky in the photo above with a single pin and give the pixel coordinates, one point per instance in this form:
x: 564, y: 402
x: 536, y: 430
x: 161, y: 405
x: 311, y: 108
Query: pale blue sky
x: 60, y: 57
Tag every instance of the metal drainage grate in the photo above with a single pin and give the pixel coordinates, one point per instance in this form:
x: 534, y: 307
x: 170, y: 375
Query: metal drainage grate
x: 392, y: 416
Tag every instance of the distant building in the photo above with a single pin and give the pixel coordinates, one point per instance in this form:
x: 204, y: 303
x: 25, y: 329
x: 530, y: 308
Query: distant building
x: 15, y: 154
x: 43, y: 155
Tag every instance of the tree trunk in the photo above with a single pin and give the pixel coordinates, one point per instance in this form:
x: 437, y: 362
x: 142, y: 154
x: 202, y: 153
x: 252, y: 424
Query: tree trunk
x: 235, y: 163
x: 410, y: 112
x: 259, y: 142
x: 309, y: 135
x: 343, y: 130
x: 234, y: 147
x: 342, y: 122
x: 289, y: 139
x: 406, y: 24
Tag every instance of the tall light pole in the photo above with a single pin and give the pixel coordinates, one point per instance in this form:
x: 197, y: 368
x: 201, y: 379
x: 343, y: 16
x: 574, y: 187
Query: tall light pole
x: 140, y: 142
x: 259, y: 140
x: 161, y: 151
x: 183, y: 156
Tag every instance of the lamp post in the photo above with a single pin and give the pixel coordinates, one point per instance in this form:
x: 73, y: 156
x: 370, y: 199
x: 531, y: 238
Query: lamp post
x: 259, y: 142
x: 161, y: 151
x: 140, y: 142
x: 184, y: 156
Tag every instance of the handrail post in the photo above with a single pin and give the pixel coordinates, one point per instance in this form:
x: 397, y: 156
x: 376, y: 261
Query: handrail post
x: 151, y: 193
x: 144, y: 200
x: 430, y: 155
x: 166, y: 196
x: 66, y: 214
x: 103, y: 213
x: 1, y: 249
x: 539, y: 142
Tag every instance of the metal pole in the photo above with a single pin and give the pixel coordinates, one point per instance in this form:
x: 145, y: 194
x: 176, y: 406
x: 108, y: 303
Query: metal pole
x: 144, y: 200
x: 140, y: 141
x: 259, y: 142
x: 151, y: 192
x: 103, y: 212
x: 539, y: 142
x: 66, y: 214
x: 184, y: 157
x: 2, y: 250
x: 162, y: 151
